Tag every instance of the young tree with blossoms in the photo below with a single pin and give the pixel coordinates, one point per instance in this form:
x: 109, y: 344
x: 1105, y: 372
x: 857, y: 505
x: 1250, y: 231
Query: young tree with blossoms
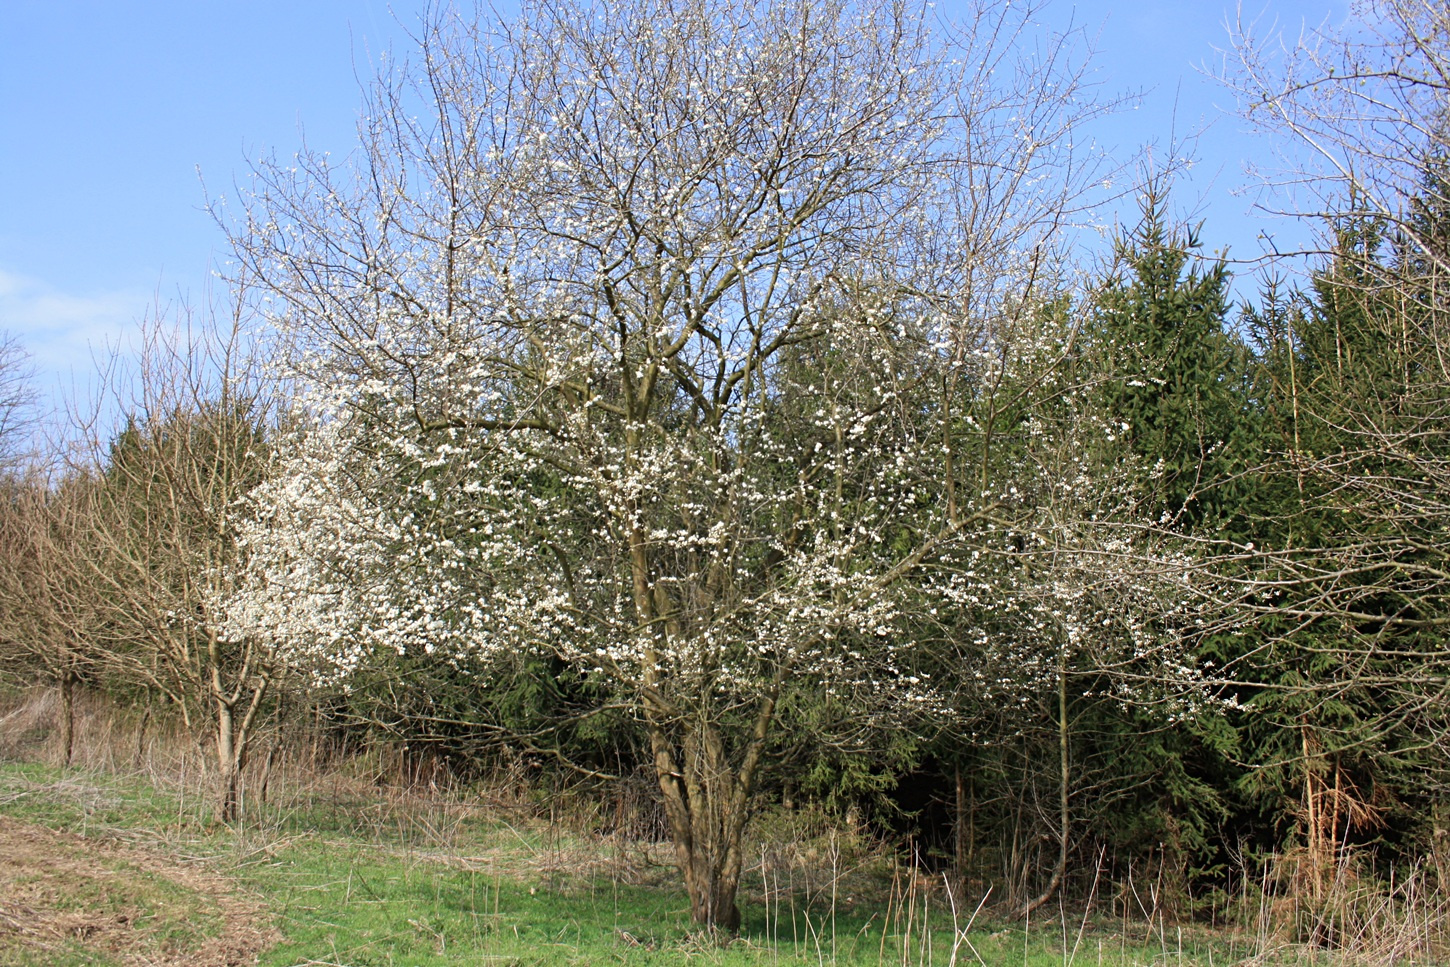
x: 1071, y: 625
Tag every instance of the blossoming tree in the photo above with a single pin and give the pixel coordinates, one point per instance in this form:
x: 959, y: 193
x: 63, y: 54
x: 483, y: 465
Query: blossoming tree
x: 633, y: 338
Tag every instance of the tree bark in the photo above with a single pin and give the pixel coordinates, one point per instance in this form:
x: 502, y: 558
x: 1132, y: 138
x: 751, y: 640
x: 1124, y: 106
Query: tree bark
x: 228, y: 774
x: 707, y: 803
x: 140, y: 756
x: 67, y: 717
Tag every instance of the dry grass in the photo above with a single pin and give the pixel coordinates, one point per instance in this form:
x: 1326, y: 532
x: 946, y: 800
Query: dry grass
x: 815, y: 887
x: 64, y: 896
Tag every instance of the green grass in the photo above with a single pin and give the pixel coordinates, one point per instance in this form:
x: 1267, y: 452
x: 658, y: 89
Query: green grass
x: 356, y: 881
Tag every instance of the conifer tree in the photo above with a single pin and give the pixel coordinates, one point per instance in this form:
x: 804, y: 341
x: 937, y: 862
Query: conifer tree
x: 1168, y: 369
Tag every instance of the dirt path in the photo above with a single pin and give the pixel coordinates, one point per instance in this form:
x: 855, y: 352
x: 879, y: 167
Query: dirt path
x: 68, y: 899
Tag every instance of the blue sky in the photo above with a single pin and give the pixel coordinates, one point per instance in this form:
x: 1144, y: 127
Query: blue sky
x: 108, y: 111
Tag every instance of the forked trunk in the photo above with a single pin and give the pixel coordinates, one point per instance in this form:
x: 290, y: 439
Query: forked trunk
x: 233, y: 741
x: 706, y: 785
x: 707, y: 803
x: 712, y: 901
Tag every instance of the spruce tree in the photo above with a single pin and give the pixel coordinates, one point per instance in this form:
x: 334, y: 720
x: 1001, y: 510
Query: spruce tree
x: 1169, y: 368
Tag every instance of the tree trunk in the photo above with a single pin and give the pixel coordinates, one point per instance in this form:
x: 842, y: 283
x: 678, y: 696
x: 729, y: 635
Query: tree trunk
x: 140, y: 756
x: 228, y: 768
x: 266, y: 776
x: 706, y: 801
x: 962, y: 834
x: 233, y: 739
x: 712, y: 903
x: 1063, y: 800
x: 230, y: 793
x: 67, y: 717
x: 706, y: 789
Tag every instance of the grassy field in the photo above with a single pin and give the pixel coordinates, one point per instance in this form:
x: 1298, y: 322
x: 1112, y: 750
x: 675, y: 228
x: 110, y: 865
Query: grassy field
x: 103, y: 869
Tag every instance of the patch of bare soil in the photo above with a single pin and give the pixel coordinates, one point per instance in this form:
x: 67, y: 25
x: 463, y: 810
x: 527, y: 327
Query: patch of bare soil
x: 68, y: 899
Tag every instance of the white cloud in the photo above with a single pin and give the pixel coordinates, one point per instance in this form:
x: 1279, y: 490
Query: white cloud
x: 65, y: 332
